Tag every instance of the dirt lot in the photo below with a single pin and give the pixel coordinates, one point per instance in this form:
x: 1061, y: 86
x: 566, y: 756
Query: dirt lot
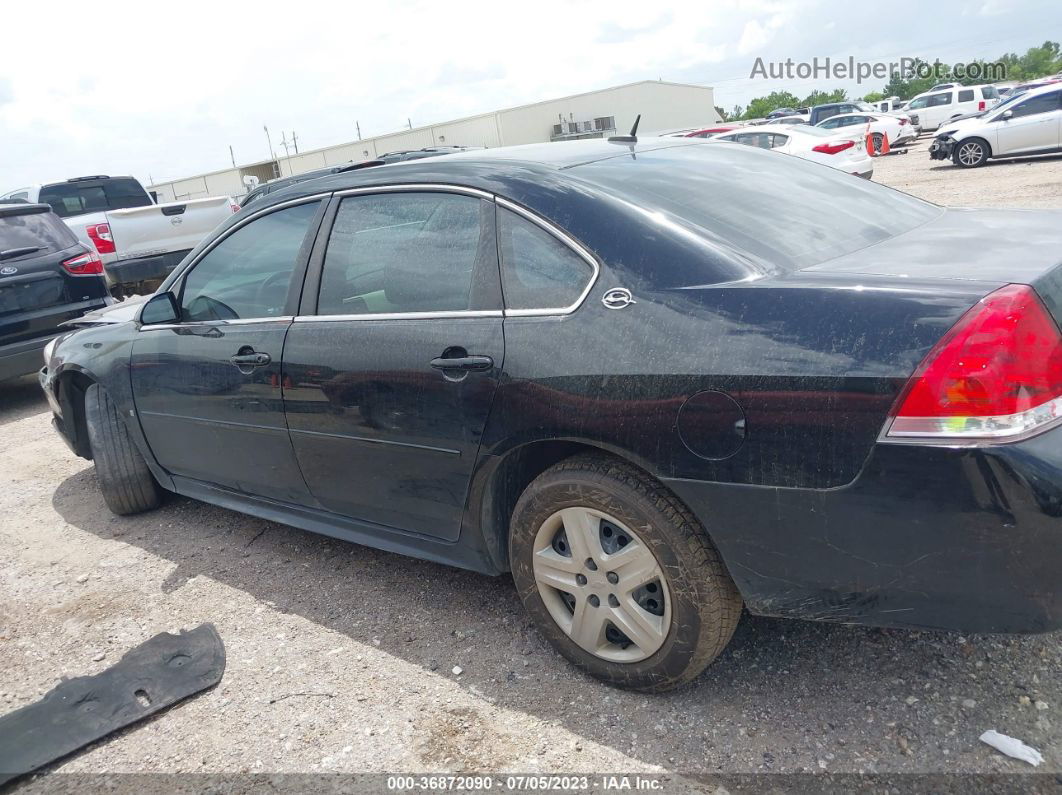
x: 341, y: 658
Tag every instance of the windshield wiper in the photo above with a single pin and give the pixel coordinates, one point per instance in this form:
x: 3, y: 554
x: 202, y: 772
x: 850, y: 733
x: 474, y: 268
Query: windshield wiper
x: 11, y: 253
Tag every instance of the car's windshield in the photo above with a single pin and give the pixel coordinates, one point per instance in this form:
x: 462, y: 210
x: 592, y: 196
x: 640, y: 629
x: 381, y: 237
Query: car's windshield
x: 731, y: 194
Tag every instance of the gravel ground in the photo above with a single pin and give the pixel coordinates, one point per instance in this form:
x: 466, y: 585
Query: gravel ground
x: 342, y: 658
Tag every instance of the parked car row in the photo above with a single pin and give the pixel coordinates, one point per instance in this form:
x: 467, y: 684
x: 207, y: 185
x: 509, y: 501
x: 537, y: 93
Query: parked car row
x: 137, y: 240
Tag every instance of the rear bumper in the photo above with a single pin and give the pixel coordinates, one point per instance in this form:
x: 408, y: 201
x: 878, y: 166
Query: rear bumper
x: 23, y: 358
x: 142, y: 269
x: 926, y: 537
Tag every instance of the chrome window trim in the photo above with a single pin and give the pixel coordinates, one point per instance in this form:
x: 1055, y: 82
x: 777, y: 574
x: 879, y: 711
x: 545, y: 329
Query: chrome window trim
x: 241, y: 321
x: 451, y: 314
x: 568, y: 241
x: 417, y: 187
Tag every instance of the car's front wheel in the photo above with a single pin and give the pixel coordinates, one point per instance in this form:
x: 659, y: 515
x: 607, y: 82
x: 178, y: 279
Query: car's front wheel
x: 971, y: 153
x: 125, y: 480
x: 619, y: 576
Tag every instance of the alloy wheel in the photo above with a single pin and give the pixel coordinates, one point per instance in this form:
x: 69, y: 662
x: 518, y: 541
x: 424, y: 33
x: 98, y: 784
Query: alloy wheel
x: 602, y: 585
x: 970, y: 154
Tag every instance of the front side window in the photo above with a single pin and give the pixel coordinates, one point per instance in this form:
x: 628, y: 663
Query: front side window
x: 939, y: 99
x: 1044, y: 103
x: 402, y: 252
x: 247, y: 275
x: 538, y: 270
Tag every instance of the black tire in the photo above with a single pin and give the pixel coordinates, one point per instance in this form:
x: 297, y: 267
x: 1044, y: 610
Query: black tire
x: 971, y: 146
x: 704, y: 603
x: 125, y: 481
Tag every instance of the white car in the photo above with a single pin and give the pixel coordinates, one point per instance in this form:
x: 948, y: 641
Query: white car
x: 931, y: 109
x: 788, y: 120
x: 845, y: 152
x: 1030, y: 124
x: 881, y: 125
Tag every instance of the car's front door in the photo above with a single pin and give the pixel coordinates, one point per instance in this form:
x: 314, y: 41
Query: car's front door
x: 1033, y: 125
x: 208, y: 387
x: 392, y: 364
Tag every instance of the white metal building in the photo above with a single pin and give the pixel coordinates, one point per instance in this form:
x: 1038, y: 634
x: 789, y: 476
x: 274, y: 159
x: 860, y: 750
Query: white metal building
x: 595, y: 114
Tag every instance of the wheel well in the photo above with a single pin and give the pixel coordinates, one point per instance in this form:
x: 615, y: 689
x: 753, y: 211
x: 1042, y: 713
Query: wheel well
x: 979, y: 139
x: 71, y: 394
x: 513, y: 475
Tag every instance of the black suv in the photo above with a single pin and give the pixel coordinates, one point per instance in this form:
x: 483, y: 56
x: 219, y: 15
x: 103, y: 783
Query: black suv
x: 46, y: 277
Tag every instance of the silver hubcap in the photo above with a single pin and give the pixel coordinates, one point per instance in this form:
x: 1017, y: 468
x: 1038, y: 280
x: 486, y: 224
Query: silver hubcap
x: 602, y: 585
x: 969, y: 154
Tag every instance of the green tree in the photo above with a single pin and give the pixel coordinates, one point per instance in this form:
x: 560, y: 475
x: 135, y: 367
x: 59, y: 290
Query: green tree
x: 720, y: 112
x: 761, y: 106
x: 824, y: 97
x: 873, y: 96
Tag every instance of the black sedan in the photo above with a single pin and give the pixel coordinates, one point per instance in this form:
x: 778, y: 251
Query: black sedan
x: 636, y: 375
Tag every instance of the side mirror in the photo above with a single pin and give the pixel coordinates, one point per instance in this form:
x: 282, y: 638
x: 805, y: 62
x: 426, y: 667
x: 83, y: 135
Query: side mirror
x: 1007, y: 114
x: 160, y: 308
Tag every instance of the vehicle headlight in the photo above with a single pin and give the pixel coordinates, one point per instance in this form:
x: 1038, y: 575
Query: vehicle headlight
x: 946, y: 134
x: 49, y: 348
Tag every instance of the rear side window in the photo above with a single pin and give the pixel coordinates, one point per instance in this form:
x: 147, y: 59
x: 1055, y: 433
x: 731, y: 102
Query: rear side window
x: 247, y: 275
x: 822, y: 212
x: 89, y: 196
x: 938, y: 99
x: 402, y: 252
x: 966, y: 95
x: 34, y: 230
x: 538, y: 270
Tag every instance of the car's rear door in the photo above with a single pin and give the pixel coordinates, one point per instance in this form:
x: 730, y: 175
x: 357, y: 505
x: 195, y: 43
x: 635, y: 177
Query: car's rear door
x: 392, y: 364
x: 208, y: 388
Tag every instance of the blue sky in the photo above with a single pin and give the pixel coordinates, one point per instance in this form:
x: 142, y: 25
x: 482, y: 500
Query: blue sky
x: 123, y: 88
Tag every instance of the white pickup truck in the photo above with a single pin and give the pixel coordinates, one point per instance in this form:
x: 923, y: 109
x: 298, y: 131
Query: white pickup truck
x: 138, y: 240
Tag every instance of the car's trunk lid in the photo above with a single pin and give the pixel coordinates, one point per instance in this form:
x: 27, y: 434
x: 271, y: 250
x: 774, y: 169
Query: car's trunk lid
x: 992, y: 246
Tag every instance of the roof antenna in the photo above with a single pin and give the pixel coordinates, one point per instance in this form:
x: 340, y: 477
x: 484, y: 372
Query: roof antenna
x: 628, y: 139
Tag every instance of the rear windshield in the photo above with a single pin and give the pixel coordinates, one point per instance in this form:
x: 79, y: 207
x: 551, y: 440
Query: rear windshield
x: 90, y: 196
x: 777, y: 208
x: 34, y: 230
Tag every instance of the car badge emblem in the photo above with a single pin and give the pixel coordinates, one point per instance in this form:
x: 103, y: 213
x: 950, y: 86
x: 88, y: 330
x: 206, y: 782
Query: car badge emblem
x: 7, y: 270
x: 617, y: 298
x: 176, y: 220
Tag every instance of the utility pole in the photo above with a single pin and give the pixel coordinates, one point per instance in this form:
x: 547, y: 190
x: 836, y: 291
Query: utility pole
x: 272, y: 154
x: 284, y: 143
x: 409, y: 123
x: 358, y: 126
x: 232, y: 155
x: 295, y: 141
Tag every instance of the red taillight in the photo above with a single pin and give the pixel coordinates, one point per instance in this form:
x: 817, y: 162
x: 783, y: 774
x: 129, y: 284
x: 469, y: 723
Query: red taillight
x: 85, y: 264
x: 903, y: 122
x: 996, y: 374
x: 100, y: 235
x: 981, y: 105
x: 833, y: 148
